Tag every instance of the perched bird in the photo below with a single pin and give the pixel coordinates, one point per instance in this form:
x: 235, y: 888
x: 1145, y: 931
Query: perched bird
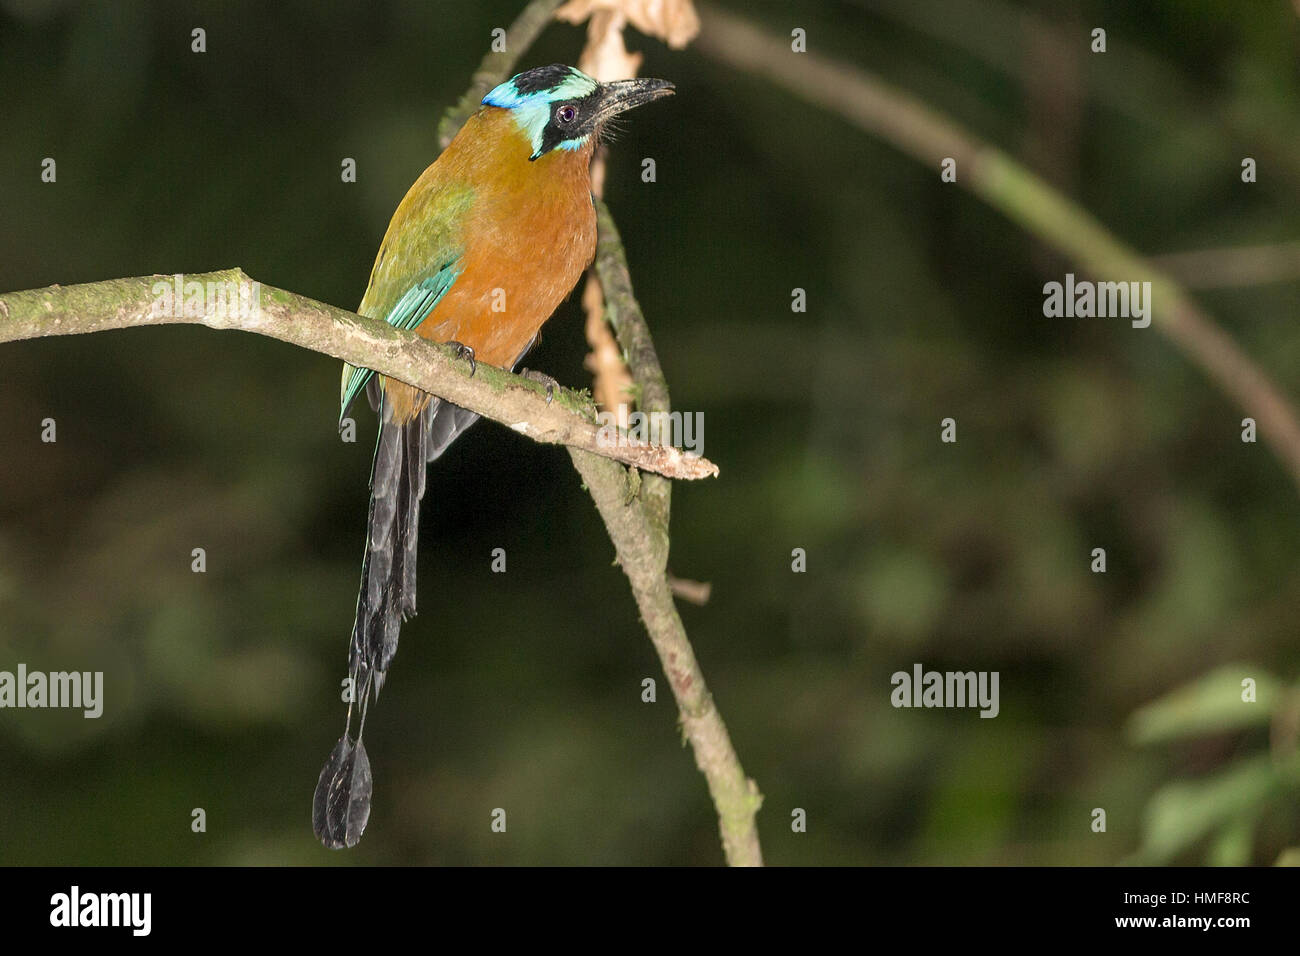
x: 485, y: 245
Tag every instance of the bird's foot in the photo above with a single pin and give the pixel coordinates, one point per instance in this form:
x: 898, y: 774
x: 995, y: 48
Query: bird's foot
x: 541, y: 378
x: 465, y: 352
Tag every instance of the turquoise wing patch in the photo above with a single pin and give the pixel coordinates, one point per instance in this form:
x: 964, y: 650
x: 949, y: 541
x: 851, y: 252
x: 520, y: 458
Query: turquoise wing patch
x: 411, y: 309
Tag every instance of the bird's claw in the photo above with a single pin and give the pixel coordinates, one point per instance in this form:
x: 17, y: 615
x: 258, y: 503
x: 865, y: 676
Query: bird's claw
x: 542, y: 378
x: 465, y: 352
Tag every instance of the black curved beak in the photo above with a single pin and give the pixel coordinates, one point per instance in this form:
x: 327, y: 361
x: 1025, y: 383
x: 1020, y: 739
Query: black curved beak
x: 619, y: 96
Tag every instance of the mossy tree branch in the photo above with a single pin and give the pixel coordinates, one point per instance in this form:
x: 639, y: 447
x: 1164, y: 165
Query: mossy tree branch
x: 514, y: 401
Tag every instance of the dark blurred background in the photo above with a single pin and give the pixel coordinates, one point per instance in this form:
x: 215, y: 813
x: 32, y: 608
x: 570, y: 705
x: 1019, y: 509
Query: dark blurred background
x: 522, y: 690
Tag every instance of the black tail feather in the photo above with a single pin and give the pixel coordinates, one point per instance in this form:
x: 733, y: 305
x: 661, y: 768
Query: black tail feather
x: 385, y: 599
x: 341, y: 805
x: 397, y: 485
x: 387, y: 592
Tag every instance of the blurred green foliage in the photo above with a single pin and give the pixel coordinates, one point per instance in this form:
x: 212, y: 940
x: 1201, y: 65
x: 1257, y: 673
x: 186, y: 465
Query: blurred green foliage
x: 522, y: 690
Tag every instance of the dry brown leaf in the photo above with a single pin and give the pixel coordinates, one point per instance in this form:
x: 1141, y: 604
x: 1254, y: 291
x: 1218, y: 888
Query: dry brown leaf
x: 612, y: 381
x: 673, y: 21
x: 605, y: 56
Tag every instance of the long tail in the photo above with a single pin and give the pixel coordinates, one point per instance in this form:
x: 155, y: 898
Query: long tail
x: 387, y: 597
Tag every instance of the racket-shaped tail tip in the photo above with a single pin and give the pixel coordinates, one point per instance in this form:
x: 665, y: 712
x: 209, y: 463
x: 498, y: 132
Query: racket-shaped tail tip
x: 341, y: 805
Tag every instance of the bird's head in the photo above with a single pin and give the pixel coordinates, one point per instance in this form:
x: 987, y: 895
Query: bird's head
x: 558, y: 107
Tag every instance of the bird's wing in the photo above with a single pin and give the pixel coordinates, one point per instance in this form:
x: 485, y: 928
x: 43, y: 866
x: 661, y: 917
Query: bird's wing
x: 410, y: 310
x: 417, y: 263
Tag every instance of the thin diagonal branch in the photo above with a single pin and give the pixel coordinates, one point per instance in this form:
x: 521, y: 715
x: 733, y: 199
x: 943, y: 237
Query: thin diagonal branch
x: 642, y: 548
x: 922, y: 132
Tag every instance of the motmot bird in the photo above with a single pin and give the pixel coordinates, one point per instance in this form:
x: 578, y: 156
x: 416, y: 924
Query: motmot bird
x: 480, y: 252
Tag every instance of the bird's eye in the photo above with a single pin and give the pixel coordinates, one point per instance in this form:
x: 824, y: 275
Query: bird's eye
x: 566, y: 115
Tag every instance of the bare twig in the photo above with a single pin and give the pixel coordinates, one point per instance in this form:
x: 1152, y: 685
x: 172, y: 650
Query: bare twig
x: 512, y: 400
x: 694, y: 592
x: 873, y: 105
